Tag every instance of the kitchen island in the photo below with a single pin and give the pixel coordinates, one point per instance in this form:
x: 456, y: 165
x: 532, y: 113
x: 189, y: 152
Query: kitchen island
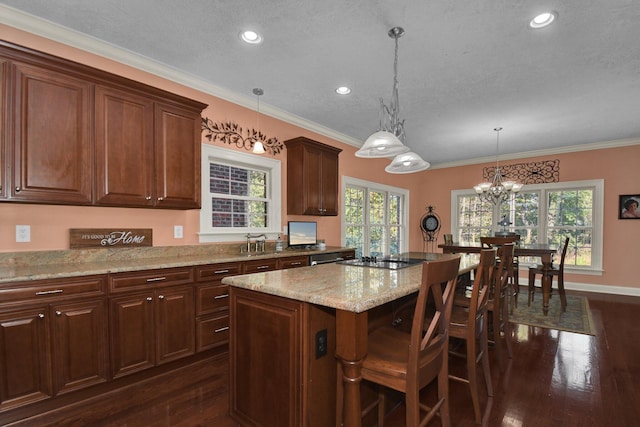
x: 287, y: 325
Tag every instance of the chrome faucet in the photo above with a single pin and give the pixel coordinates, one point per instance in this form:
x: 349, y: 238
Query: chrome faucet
x: 258, y: 243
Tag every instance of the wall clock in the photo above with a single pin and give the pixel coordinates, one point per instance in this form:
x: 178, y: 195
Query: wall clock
x: 430, y: 225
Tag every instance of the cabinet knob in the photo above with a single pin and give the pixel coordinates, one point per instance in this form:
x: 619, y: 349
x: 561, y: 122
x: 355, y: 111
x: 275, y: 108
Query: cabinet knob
x: 149, y: 299
x: 160, y: 296
x: 148, y: 197
x: 58, y: 313
x: 18, y: 189
x: 41, y: 315
x: 160, y: 199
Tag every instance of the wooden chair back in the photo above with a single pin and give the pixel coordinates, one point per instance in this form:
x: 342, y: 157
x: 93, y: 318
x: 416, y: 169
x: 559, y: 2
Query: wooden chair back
x: 407, y: 362
x: 491, y: 241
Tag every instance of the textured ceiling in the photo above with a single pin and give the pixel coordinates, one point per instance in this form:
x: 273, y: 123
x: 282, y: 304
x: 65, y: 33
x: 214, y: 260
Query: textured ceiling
x: 464, y: 67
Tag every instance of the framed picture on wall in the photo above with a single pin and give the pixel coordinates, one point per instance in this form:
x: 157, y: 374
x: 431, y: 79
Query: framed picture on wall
x: 629, y: 206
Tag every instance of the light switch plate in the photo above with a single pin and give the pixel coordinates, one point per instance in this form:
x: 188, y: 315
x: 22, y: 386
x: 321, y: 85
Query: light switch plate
x: 177, y: 232
x: 23, y: 233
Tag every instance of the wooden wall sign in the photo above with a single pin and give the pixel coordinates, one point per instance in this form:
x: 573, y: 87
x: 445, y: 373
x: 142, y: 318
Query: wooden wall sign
x: 85, y: 238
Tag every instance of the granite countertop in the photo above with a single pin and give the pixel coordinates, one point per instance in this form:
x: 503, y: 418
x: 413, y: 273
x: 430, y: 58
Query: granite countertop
x: 17, y: 267
x: 344, y: 287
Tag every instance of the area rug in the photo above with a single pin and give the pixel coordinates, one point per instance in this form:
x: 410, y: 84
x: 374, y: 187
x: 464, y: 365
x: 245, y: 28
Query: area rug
x: 577, y: 317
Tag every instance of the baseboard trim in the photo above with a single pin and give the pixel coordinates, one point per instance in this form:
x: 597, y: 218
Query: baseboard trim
x: 602, y: 289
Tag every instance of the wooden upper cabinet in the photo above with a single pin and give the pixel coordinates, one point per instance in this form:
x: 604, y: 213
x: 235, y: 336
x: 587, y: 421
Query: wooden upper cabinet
x: 72, y: 134
x: 124, y: 148
x: 312, y: 178
x: 177, y: 157
x: 52, y: 147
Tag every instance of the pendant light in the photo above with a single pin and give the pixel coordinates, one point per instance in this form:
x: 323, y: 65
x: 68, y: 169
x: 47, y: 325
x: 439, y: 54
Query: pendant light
x: 386, y: 141
x: 258, y: 146
x: 498, y: 190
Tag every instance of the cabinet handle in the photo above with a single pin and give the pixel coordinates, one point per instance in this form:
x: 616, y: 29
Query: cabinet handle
x: 226, y: 328
x: 296, y: 263
x: 149, y: 299
x: 221, y: 271
x: 41, y: 315
x: 56, y: 291
x: 156, y: 279
x: 160, y: 296
x: 221, y: 296
x: 262, y: 267
x: 18, y: 189
x: 58, y: 313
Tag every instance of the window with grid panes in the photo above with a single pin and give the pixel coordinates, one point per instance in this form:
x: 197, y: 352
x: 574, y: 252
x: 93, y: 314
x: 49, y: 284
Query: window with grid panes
x: 541, y: 213
x: 374, y: 219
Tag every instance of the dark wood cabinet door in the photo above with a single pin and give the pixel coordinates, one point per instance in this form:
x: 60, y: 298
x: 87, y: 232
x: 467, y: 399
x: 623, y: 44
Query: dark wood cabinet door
x: 124, y: 148
x: 25, y: 357
x: 132, y: 333
x: 177, y: 157
x: 329, y: 183
x: 52, y: 147
x: 265, y: 357
x: 312, y: 178
x: 4, y: 108
x: 175, y: 333
x: 79, y: 344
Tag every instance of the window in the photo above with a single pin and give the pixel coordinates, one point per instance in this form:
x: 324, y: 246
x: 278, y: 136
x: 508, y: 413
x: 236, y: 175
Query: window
x: 542, y: 213
x: 240, y: 195
x: 375, y: 217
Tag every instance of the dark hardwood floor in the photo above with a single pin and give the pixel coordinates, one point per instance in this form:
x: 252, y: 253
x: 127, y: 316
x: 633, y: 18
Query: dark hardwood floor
x: 557, y: 379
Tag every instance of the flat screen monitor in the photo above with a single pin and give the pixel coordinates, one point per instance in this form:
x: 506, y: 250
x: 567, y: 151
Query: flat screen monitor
x: 302, y: 233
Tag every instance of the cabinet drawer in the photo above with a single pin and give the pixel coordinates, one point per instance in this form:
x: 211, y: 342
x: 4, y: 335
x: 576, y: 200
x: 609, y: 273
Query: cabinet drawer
x: 150, y: 278
x: 212, y: 298
x: 216, y: 272
x: 260, y: 265
x: 41, y: 289
x: 293, y: 262
x: 212, y: 332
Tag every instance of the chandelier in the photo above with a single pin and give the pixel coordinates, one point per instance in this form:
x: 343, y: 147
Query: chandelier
x: 498, y: 190
x: 388, y: 140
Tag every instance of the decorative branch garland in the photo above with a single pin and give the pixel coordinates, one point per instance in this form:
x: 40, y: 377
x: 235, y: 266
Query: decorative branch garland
x: 527, y: 173
x: 231, y: 133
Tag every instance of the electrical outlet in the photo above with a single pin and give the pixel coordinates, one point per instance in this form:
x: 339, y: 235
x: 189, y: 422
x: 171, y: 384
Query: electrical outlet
x: 321, y: 343
x: 177, y: 232
x: 23, y: 233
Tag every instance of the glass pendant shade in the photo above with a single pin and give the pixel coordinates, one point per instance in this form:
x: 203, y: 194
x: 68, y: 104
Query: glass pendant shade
x: 382, y: 144
x: 407, y: 163
x: 258, y: 148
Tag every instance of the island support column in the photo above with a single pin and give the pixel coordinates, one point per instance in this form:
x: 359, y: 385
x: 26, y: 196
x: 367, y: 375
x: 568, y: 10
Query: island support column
x: 351, y: 349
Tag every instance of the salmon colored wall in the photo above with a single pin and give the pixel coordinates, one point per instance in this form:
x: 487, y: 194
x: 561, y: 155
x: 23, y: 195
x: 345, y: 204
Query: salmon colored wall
x: 50, y: 224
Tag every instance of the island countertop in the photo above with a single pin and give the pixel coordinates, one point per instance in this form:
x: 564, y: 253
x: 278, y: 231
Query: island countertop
x: 344, y: 287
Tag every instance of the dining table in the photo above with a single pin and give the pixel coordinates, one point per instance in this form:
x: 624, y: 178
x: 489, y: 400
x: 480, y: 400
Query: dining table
x: 540, y: 250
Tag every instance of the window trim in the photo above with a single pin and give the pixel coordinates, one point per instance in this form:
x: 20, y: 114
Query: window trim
x: 273, y: 167
x: 598, y: 216
x: 370, y: 185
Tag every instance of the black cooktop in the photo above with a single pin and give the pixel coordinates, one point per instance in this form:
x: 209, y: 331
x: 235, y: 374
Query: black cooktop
x: 388, y: 263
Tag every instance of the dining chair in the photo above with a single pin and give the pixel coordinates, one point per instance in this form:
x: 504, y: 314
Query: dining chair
x: 497, y: 306
x: 469, y: 323
x: 496, y: 241
x: 554, y: 271
x: 407, y: 362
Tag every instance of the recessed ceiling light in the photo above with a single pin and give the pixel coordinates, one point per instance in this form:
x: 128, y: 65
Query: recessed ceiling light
x: 543, y: 19
x: 251, y: 37
x: 343, y: 90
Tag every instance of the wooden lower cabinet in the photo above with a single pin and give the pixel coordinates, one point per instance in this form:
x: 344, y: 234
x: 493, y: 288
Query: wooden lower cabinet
x: 151, y: 328
x: 50, y: 346
x: 276, y: 378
